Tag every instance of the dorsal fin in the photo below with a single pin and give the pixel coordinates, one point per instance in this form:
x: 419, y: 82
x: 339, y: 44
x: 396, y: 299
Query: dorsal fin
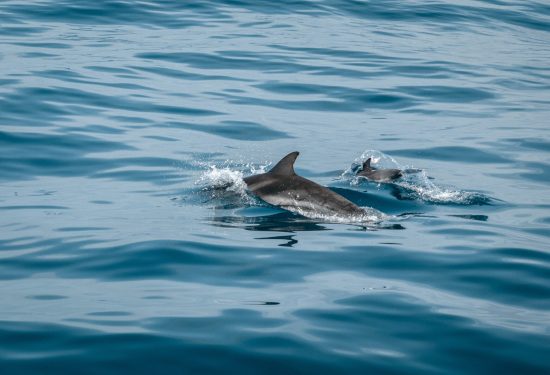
x: 286, y: 165
x: 366, y: 165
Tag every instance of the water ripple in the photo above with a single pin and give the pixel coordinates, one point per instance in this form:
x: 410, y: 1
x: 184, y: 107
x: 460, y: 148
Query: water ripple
x: 128, y: 242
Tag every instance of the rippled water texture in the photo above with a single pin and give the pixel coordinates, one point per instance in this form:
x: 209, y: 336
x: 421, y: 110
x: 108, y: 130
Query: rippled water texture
x: 128, y: 243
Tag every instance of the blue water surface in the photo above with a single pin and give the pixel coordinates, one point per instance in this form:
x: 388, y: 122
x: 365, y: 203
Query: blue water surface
x: 120, y: 120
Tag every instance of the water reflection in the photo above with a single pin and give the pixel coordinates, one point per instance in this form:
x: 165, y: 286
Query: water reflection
x: 290, y: 240
x: 279, y: 222
x: 289, y: 223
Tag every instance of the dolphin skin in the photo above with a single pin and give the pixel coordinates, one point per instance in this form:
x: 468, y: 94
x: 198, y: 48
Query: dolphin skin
x: 381, y: 175
x: 282, y: 187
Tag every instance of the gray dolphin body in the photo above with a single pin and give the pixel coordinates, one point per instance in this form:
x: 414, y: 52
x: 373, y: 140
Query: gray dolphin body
x: 282, y: 187
x: 382, y: 175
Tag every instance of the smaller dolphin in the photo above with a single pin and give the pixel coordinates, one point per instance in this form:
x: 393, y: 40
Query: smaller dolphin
x: 381, y: 175
x: 282, y: 187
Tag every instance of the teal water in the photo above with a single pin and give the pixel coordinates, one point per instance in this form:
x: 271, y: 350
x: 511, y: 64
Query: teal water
x: 119, y: 120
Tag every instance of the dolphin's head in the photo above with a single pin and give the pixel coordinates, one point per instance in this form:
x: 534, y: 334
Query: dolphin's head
x: 374, y: 174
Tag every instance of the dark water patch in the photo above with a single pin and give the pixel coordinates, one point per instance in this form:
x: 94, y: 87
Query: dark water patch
x: 529, y: 143
x: 448, y: 16
x: 420, y: 71
x: 179, y: 342
x: 354, y: 97
x: 447, y: 93
x: 445, y: 113
x: 21, y: 31
x: 433, y: 69
x: 534, y: 16
x: 392, y: 10
x: 287, y: 241
x: 101, y: 322
x: 180, y: 74
x: 475, y: 274
x: 264, y: 303
x: 9, y: 81
x: 109, y: 69
x: 255, y: 24
x: 82, y: 229
x: 303, y: 88
x: 33, y: 207
x: 543, y: 232
x: 238, y: 35
x: 243, y: 61
x: 472, y: 217
x: 278, y: 222
x: 288, y: 7
x: 38, y: 55
x: 539, y: 172
x: 61, y: 74
x: 230, y: 60
x: 446, y: 331
x: 51, y: 104
x: 457, y: 154
x: 471, y: 233
x: 26, y: 155
x: 109, y: 313
x: 25, y: 243
x: 44, y: 45
x: 73, y: 77
x: 161, y: 138
x: 14, y: 108
x: 160, y: 177
x: 168, y: 14
x: 132, y: 119
x: 523, y: 255
x: 46, y: 297
x: 101, y: 202
x: 349, y: 55
x: 97, y: 129
x: 54, y: 146
x: 352, y: 102
x: 242, y: 130
x: 155, y: 297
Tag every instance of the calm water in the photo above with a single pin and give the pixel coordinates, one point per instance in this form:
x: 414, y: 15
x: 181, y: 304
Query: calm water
x: 118, y: 119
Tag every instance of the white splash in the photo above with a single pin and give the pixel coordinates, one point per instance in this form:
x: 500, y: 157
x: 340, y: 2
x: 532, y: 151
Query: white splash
x: 415, y: 183
x: 420, y: 186
x: 218, y: 182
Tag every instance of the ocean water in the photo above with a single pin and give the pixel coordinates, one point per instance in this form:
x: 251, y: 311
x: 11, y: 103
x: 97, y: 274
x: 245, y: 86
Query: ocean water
x: 128, y: 243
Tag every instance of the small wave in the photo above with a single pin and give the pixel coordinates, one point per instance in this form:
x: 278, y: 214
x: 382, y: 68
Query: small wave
x: 415, y: 183
x: 419, y: 186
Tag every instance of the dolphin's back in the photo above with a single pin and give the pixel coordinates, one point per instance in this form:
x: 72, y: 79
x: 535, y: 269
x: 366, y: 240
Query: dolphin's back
x: 305, y: 196
x: 381, y: 174
x: 378, y: 174
x: 282, y: 187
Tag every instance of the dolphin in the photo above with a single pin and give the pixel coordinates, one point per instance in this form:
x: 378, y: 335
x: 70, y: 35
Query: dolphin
x: 382, y: 175
x: 282, y: 187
